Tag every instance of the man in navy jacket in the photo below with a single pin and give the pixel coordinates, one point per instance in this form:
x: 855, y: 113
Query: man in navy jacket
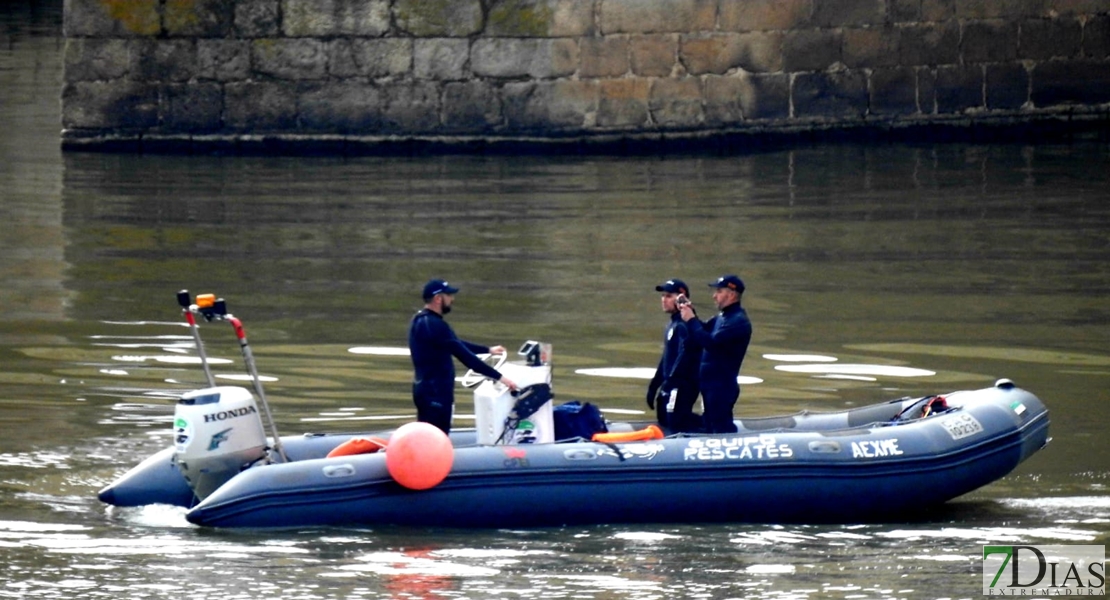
x: 724, y: 341
x: 432, y: 343
x: 673, y: 390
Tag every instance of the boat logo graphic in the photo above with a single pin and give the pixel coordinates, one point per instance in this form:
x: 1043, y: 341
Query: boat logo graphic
x: 627, y: 451
x: 219, y: 438
x: 182, y: 433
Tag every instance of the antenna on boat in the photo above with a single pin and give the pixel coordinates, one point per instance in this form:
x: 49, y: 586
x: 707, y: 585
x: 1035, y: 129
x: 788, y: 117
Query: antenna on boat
x: 216, y: 309
x: 190, y: 310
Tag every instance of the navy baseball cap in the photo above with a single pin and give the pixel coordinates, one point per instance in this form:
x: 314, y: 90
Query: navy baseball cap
x: 731, y: 282
x: 674, y: 286
x: 438, y: 286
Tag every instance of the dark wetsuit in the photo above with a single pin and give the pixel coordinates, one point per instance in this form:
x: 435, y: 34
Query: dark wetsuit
x: 432, y: 343
x: 677, y: 370
x: 724, y: 340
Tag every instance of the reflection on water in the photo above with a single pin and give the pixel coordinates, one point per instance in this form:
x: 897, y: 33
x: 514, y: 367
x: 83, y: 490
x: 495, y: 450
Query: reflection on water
x: 873, y: 272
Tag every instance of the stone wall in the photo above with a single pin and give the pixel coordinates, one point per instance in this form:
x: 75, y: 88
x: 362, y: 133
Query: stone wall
x: 351, y: 74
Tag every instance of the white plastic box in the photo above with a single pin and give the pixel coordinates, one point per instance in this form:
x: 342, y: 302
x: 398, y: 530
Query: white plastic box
x: 493, y: 404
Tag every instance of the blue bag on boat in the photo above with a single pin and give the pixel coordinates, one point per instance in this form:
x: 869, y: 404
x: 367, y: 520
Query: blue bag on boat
x: 577, y: 420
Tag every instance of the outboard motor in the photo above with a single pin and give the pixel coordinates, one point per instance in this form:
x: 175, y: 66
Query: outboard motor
x: 217, y: 432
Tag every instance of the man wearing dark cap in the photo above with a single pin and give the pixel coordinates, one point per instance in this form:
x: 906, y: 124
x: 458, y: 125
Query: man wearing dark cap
x: 724, y: 340
x: 432, y: 343
x: 674, y: 388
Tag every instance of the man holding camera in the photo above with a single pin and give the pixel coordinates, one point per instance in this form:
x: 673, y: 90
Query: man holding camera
x: 724, y: 340
x: 674, y: 388
x: 432, y: 343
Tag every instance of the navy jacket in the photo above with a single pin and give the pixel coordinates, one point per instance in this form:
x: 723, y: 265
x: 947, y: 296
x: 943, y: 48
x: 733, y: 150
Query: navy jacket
x: 724, y: 340
x: 432, y: 343
x: 678, y: 367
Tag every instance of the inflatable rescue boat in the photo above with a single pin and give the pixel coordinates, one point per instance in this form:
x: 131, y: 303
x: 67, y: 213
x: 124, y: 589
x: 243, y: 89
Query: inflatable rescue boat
x: 515, y: 469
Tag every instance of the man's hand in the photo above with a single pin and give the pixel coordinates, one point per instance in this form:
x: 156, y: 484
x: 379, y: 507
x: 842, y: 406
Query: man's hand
x: 509, y: 383
x: 497, y: 350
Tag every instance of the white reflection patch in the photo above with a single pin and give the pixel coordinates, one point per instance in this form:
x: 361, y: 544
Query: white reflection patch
x: 245, y: 377
x: 857, y: 369
x: 770, y: 570
x: 173, y: 360
x: 645, y: 373
x: 379, y: 350
x: 812, y: 358
x: 415, y: 563
x: 645, y: 536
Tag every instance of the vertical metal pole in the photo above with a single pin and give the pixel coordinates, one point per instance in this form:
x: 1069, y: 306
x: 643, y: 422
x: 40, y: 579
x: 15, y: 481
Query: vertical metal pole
x: 191, y: 318
x: 248, y: 357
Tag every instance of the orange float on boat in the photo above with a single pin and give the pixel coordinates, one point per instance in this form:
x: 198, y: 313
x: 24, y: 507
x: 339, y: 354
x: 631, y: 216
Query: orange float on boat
x: 358, y: 445
x: 651, y: 432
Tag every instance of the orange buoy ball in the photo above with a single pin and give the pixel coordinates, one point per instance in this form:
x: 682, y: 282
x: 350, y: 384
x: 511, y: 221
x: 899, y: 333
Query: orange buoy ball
x: 419, y: 456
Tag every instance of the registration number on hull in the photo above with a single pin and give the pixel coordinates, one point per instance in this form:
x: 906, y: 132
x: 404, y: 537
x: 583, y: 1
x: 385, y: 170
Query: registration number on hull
x: 961, y: 426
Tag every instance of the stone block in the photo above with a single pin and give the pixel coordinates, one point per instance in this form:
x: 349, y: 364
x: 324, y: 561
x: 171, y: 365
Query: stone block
x: 100, y: 18
x: 657, y: 16
x: 622, y: 103
x: 871, y: 47
x: 1073, y: 7
x: 893, y: 91
x: 811, y: 49
x: 410, y: 107
x: 439, y: 18
x: 293, y: 59
x: 192, y: 108
x: 343, y: 107
x: 653, y: 55
x: 443, y: 59
x: 763, y: 15
x: 545, y: 106
x: 839, y: 95
x: 322, y: 18
x: 989, y: 41
x: 1042, y: 39
x: 163, y: 60
x: 362, y: 17
x: 537, y: 58
x: 540, y: 18
x: 717, y: 54
x: 848, y: 13
x: 905, y: 11
x: 223, y: 60
x: 926, y: 90
x: 91, y: 59
x: 935, y: 11
x: 1001, y: 9
x: 676, y: 103
x: 959, y: 88
x: 723, y: 99
x: 768, y: 96
x: 1059, y: 83
x: 260, y: 106
x: 257, y: 18
x: 603, y: 56
x: 1007, y: 86
x: 372, y: 58
x: 110, y: 105
x: 929, y: 45
x: 198, y: 18
x: 471, y: 107
x: 1096, y: 37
